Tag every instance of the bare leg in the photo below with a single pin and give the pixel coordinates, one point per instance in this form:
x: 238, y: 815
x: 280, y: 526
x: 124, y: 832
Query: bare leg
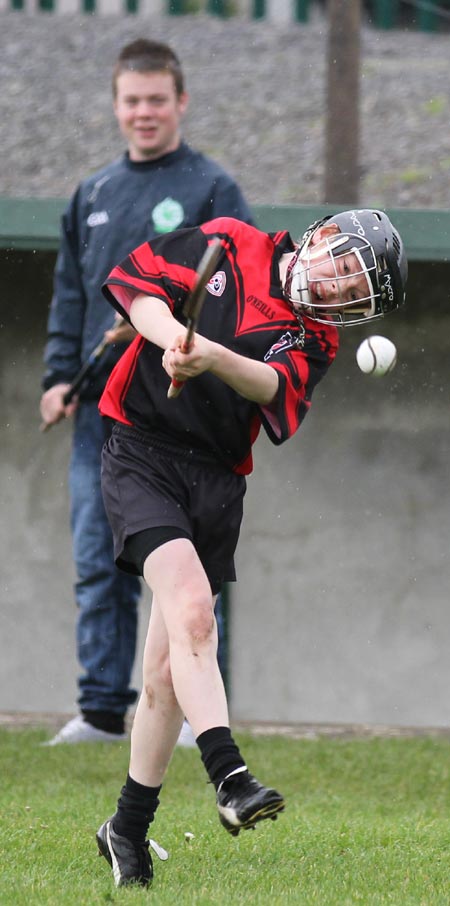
x: 178, y: 580
x: 158, y: 718
x: 181, y: 676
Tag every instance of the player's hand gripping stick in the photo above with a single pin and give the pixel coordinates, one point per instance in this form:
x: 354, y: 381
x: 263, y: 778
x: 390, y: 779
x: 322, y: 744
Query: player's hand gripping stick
x: 194, y: 304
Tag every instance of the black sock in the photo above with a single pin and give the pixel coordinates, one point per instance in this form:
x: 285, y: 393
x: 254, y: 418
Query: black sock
x: 136, y: 809
x: 219, y: 752
x: 105, y: 720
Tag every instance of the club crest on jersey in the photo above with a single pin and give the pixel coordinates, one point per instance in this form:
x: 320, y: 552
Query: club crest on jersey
x: 287, y: 341
x: 167, y: 215
x: 217, y: 283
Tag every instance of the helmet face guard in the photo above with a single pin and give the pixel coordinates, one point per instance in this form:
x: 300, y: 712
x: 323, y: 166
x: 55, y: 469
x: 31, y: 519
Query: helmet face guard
x: 368, y: 252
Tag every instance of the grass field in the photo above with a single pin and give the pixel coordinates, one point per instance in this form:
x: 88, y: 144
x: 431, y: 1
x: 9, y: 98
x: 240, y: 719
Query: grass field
x: 367, y: 822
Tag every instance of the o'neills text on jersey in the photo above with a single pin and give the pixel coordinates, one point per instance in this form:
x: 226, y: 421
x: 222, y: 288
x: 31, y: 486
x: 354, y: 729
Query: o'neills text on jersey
x: 262, y: 307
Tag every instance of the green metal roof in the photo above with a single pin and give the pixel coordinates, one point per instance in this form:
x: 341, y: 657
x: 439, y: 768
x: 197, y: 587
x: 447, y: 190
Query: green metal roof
x: 34, y: 223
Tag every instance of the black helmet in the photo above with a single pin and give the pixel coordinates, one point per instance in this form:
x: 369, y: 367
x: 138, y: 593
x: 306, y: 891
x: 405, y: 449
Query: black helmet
x: 369, y: 235
x: 391, y: 263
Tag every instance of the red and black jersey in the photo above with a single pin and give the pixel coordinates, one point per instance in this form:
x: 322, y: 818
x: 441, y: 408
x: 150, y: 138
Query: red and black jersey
x: 244, y: 310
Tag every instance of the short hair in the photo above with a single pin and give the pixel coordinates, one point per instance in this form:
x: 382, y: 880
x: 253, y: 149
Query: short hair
x: 143, y: 55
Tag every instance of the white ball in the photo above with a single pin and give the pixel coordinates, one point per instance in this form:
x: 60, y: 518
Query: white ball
x: 376, y: 355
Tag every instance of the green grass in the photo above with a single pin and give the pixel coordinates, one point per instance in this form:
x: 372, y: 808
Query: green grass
x: 367, y: 822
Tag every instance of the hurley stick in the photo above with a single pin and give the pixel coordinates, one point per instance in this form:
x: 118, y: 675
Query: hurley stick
x: 194, y: 304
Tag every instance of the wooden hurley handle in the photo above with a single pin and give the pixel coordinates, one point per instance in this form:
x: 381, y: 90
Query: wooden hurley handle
x: 177, y: 386
x: 85, y: 371
x: 175, y: 389
x: 194, y: 303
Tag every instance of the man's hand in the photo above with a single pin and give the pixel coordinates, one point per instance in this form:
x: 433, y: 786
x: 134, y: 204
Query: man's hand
x: 52, y: 405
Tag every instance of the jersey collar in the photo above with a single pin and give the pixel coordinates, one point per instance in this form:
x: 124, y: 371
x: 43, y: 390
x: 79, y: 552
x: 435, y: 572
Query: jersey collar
x: 164, y: 161
x: 282, y: 243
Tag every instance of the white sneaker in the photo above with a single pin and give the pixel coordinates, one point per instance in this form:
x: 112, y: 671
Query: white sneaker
x: 186, y: 737
x: 78, y: 730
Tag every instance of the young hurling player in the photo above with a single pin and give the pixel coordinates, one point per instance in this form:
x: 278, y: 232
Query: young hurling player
x: 174, y: 469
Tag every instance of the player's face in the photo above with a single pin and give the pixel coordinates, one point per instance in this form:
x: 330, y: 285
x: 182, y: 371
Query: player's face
x: 149, y: 110
x: 336, y: 279
x: 327, y: 280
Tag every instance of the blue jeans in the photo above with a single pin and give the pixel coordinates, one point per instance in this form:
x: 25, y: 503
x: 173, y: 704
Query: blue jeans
x: 107, y: 598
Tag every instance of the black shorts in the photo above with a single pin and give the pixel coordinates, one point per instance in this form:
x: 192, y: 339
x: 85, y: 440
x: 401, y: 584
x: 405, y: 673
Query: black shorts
x: 150, y: 483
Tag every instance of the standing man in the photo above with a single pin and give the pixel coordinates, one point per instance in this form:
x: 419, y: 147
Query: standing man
x: 158, y: 185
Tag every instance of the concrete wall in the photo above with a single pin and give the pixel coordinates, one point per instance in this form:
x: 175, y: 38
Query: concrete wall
x: 341, y: 612
x: 341, y: 608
